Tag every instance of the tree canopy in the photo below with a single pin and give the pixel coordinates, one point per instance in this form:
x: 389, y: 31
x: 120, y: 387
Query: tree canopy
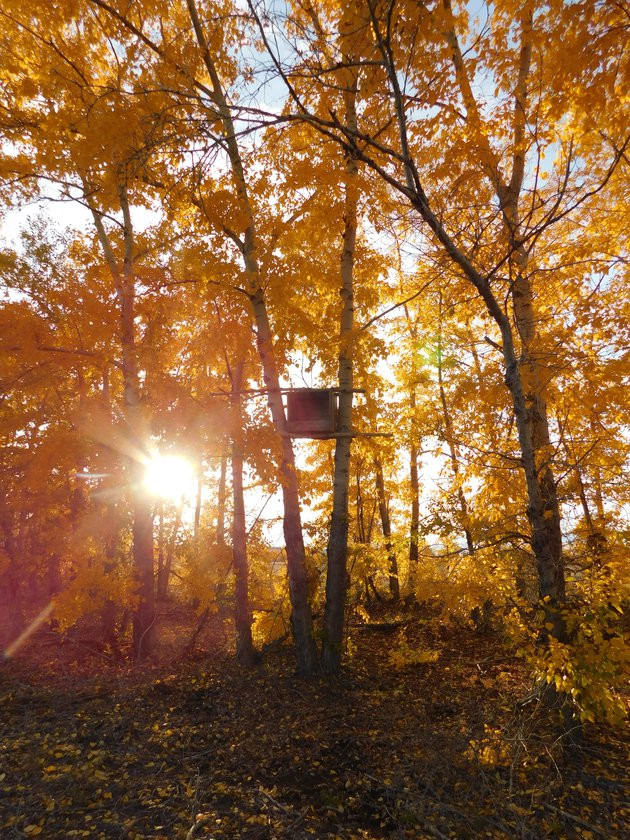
x: 422, y: 207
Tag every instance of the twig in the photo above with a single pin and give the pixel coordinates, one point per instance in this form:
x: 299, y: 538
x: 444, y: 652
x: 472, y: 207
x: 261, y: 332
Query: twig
x: 493, y: 343
x: 85, y: 646
x: 576, y: 819
x: 299, y: 819
x: 201, y: 821
x: 278, y: 805
x: 395, y: 306
x: 276, y: 643
x: 383, y: 626
x: 435, y: 832
x: 200, y: 625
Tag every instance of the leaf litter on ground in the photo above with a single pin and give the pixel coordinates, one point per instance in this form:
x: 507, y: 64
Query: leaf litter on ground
x: 200, y: 748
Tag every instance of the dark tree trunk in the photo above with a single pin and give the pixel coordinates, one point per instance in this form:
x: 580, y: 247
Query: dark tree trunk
x: 302, y: 621
x: 360, y: 507
x: 394, y: 585
x: 10, y: 597
x: 144, y: 636
x: 337, y: 552
x: 414, y: 526
x: 221, y: 501
x: 164, y: 579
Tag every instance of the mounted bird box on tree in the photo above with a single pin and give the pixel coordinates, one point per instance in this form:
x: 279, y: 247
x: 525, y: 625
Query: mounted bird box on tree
x: 312, y: 412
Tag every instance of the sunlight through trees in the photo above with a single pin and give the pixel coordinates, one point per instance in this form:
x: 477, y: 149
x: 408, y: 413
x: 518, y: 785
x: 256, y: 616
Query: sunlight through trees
x: 423, y: 207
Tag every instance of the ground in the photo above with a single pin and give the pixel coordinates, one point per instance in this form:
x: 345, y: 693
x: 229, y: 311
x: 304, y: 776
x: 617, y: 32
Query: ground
x: 197, y: 747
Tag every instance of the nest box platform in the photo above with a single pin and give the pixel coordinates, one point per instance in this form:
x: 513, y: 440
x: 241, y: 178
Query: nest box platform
x: 312, y: 412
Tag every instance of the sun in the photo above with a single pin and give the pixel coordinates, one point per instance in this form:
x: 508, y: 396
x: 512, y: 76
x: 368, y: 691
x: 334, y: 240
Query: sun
x: 170, y: 477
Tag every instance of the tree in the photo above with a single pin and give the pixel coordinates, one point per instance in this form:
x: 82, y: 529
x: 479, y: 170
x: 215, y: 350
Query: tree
x: 406, y: 50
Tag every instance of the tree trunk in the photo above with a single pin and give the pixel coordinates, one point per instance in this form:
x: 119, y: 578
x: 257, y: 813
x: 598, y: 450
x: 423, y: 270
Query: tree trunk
x: 144, y: 614
x: 197, y: 518
x: 549, y: 535
x: 160, y: 552
x: 109, y: 610
x: 414, y: 525
x: 11, y: 580
x: 524, y: 376
x: 596, y: 539
x: 111, y: 535
x: 337, y: 551
x: 542, y: 509
x: 394, y: 585
x: 221, y: 500
x: 452, y: 446
x: 301, y: 618
x: 245, y: 652
x: 306, y: 652
x: 170, y: 555
x: 492, y: 429
x: 360, y: 507
x: 142, y: 528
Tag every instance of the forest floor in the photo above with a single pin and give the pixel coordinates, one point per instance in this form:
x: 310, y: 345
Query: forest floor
x: 198, y: 747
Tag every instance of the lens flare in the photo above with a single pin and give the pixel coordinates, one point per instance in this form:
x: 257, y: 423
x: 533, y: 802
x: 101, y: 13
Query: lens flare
x: 170, y: 477
x: 25, y: 635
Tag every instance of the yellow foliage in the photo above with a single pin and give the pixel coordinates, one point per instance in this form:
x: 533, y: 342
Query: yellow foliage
x: 591, y: 667
x: 94, y: 582
x: 201, y: 570
x: 269, y: 595
x: 491, y: 749
x: 405, y: 655
x: 467, y: 582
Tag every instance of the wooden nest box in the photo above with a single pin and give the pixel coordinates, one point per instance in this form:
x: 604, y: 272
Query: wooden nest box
x: 312, y: 412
